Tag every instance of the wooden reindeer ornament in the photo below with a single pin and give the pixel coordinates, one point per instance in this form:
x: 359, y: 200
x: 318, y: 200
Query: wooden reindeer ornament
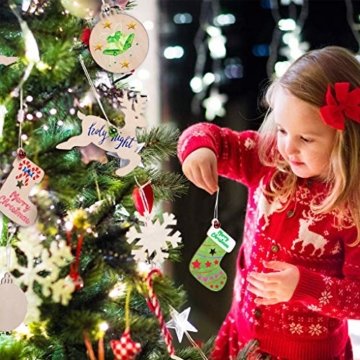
x: 96, y: 130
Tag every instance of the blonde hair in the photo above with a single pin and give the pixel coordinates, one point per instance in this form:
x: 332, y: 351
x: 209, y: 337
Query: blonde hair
x: 307, y: 79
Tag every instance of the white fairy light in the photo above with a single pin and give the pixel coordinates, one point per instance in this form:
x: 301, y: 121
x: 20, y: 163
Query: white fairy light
x: 103, y: 326
x: 287, y: 25
x: 69, y: 225
x: 287, y: 2
x: 281, y: 67
x: 213, y: 31
x: 225, y: 19
x: 214, y: 105
x: 196, y: 84
x: 217, y: 46
x: 87, y: 100
x: 209, y: 78
x: 174, y: 52
x: 118, y: 290
x: 143, y: 268
x: 183, y: 18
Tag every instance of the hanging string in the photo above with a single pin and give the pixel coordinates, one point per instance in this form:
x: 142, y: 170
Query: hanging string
x: 143, y: 197
x: 20, y: 118
x: 215, y: 220
x: 127, y: 308
x: 93, y: 88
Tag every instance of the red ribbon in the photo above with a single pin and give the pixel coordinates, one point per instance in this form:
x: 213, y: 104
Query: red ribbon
x: 345, y: 104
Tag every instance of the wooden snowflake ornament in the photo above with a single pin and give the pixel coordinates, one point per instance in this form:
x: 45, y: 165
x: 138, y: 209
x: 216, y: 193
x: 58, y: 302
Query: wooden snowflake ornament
x: 152, y: 237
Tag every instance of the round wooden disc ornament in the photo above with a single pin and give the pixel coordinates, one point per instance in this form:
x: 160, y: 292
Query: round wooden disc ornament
x: 13, y: 304
x: 119, y: 43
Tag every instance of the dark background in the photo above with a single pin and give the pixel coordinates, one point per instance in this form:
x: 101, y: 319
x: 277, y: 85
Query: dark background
x: 326, y: 23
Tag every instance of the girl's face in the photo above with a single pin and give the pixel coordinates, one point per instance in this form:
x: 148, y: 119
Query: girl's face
x: 303, y: 139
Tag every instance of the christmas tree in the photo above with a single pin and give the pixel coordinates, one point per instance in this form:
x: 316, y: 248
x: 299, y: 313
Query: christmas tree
x: 79, y: 232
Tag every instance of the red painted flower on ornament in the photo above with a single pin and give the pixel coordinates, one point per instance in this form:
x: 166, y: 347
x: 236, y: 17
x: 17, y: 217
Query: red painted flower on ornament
x: 125, y: 348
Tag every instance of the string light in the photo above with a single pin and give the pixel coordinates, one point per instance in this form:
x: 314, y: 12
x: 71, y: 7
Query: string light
x: 287, y: 36
x: 351, y: 22
x: 209, y: 41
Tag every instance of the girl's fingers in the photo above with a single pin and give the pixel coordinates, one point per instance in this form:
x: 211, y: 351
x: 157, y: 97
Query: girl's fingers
x: 263, y: 293
x: 261, y: 301
x: 266, y: 287
x: 199, y: 180
x: 200, y: 167
x: 214, y: 174
x: 267, y: 278
x: 209, y: 177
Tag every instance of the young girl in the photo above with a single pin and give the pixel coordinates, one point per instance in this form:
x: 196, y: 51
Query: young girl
x: 298, y: 269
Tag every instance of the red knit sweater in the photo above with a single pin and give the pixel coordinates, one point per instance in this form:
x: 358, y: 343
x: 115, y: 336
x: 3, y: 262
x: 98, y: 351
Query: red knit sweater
x: 313, y: 324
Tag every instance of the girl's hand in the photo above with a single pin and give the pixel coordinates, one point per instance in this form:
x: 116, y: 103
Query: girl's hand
x: 200, y: 167
x: 274, y: 287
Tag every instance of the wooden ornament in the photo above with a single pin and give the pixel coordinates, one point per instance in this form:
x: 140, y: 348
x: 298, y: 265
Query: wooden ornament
x: 143, y: 198
x: 119, y: 43
x: 95, y: 130
x: 8, y: 60
x: 123, y: 144
x: 14, y: 194
x: 13, y: 304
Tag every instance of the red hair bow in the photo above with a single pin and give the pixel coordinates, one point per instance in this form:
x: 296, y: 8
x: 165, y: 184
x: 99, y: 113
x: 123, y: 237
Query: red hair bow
x: 344, y: 104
